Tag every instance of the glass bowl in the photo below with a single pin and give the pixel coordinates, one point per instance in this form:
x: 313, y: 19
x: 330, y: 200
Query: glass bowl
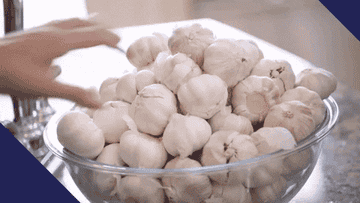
x: 275, y: 177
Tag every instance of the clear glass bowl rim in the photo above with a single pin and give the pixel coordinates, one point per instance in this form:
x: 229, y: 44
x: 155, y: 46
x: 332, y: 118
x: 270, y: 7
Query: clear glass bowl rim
x: 51, y: 141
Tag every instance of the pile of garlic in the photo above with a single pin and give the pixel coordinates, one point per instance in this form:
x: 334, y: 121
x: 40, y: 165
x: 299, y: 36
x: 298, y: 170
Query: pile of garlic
x: 198, y: 101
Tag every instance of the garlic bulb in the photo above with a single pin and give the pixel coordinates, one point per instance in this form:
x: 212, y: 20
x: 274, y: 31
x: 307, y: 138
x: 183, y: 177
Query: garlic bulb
x: 253, y: 53
x: 126, y: 88
x: 278, y: 70
x: 191, y: 40
x: 139, y: 150
x: 272, y: 139
x: 235, y: 193
x: 269, y: 193
x: 309, y: 98
x: 292, y: 115
x: 107, y: 89
x: 319, y: 80
x: 106, y: 182
x: 110, y: 119
x: 140, y: 189
x: 297, y: 161
x: 143, y: 52
x: 186, y: 188
x: 225, y: 147
x: 229, y: 193
x: 227, y: 58
x: 152, y: 109
x: 203, y: 96
x: 77, y: 132
x: 254, y: 96
x: 144, y: 78
x: 185, y: 134
x: 175, y: 70
x: 225, y: 120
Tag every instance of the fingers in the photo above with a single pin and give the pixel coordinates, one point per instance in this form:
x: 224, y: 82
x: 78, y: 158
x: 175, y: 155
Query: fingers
x: 81, y: 96
x: 71, y: 23
x: 90, y: 36
x: 32, y: 85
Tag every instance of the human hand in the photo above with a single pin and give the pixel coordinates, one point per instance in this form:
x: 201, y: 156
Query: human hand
x: 26, y: 58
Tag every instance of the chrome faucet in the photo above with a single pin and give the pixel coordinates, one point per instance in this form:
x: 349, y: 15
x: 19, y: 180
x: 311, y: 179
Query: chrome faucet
x: 31, y: 115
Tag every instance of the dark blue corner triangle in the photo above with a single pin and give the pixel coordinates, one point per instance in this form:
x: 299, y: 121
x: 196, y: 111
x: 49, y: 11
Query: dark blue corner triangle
x: 24, y: 178
x: 347, y: 12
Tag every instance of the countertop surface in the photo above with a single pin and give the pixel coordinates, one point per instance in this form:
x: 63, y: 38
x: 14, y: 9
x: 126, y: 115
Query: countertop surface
x: 336, y: 177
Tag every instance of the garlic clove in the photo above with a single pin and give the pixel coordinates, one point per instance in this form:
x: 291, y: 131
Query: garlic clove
x: 185, y: 135
x: 126, y: 88
x: 269, y: 193
x: 319, y: 80
x: 109, y: 118
x: 143, y: 52
x: 226, y: 59
x: 203, y: 96
x: 77, y: 132
x: 152, y: 109
x: 253, y: 98
x: 292, y: 115
x: 186, y: 188
x: 278, y: 70
x: 309, y: 98
x: 139, y: 150
x: 191, y: 40
x: 140, y: 189
x: 144, y: 78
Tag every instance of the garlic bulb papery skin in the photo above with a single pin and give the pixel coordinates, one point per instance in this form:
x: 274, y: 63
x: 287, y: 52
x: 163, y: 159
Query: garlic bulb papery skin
x: 309, y: 98
x: 152, y: 108
x: 225, y: 120
x: 269, y: 193
x: 126, y: 88
x: 294, y: 116
x: 106, y: 182
x: 272, y: 139
x: 176, y: 70
x: 226, y: 147
x: 253, y: 98
x: 143, y: 52
x: 140, y: 189
x: 191, y: 40
x: 77, y: 132
x: 185, y: 134
x: 144, y: 78
x: 226, y: 58
x: 319, y: 80
x: 278, y: 70
x: 186, y: 188
x: 140, y: 150
x: 203, y: 96
x: 110, y: 119
x: 107, y: 90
